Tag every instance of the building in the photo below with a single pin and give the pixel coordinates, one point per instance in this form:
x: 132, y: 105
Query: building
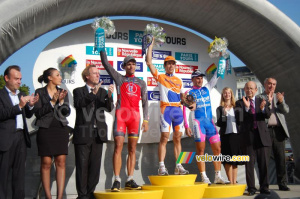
x: 243, y: 75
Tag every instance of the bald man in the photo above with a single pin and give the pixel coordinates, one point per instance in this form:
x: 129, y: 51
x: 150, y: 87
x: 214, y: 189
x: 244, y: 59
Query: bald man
x: 255, y: 137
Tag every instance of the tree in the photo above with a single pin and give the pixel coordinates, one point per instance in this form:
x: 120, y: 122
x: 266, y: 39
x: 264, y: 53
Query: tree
x: 23, y: 88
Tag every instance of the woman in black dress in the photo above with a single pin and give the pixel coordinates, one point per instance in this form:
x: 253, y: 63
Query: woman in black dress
x: 53, y: 136
x: 228, y: 121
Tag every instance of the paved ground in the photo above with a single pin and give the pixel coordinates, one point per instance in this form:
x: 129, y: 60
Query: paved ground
x: 293, y: 194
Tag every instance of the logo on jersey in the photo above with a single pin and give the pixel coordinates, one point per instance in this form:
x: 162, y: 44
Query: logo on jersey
x: 153, y: 95
x: 131, y: 89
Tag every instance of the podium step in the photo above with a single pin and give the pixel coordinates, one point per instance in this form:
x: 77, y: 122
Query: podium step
x: 223, y: 191
x: 173, y: 180
x: 129, y: 194
x: 193, y: 191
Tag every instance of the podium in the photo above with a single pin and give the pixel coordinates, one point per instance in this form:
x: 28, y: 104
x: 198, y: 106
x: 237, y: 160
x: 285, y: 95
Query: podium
x: 175, y: 187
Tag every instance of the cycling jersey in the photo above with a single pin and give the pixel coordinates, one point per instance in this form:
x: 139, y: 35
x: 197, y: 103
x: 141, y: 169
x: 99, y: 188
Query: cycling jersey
x: 130, y: 90
x: 203, y: 124
x: 170, y: 88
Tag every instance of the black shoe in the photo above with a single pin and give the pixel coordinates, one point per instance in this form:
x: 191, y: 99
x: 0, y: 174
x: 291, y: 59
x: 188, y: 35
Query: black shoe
x: 265, y: 191
x: 131, y: 185
x: 284, y: 188
x: 116, y: 186
x: 251, y: 193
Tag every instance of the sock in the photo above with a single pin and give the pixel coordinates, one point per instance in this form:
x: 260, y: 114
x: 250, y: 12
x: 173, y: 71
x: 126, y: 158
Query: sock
x: 203, y: 174
x: 117, y: 178
x: 161, y: 164
x: 178, y: 165
x: 218, y: 173
x: 129, y: 178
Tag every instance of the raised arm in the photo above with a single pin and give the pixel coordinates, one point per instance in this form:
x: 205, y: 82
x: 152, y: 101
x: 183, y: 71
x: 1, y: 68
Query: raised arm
x: 212, y: 82
x: 149, y: 58
x: 110, y: 70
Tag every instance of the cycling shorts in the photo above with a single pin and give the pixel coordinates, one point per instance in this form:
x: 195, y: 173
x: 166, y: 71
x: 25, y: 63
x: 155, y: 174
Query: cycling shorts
x: 127, y: 120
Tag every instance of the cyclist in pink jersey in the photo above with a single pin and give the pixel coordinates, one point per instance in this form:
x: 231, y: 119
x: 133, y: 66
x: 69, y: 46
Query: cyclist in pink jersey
x: 170, y: 88
x: 130, y: 90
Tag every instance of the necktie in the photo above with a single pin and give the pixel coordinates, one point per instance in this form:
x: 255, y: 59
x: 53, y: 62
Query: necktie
x: 253, y: 112
x: 94, y: 110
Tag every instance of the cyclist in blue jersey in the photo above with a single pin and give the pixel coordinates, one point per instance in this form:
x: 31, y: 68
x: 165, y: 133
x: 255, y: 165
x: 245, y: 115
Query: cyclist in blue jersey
x: 203, y: 124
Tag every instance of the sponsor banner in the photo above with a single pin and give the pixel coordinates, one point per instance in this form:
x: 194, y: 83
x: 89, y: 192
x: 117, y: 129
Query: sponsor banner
x: 135, y: 37
x: 107, y: 80
x: 187, y: 83
x: 160, y: 54
x: 118, y: 36
x: 151, y: 81
x: 153, y: 95
x: 90, y: 50
x: 97, y: 63
x: 160, y: 68
x: 138, y: 68
x: 123, y: 52
x: 185, y: 69
x: 186, y: 56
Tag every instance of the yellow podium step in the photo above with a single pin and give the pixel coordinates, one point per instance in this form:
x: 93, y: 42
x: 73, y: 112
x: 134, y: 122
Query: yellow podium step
x: 223, y: 191
x: 173, y: 180
x: 129, y: 194
x: 193, y: 191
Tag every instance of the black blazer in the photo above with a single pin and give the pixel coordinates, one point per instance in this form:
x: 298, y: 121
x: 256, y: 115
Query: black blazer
x: 8, y: 114
x: 85, y: 114
x: 247, y: 124
x: 44, y: 112
x: 222, y: 119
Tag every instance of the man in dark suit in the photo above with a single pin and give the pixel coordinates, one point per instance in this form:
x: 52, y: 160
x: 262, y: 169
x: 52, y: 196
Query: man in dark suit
x: 255, y: 138
x: 14, y: 107
x: 277, y: 128
x: 90, y: 131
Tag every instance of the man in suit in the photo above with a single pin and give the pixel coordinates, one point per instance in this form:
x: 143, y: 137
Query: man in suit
x: 14, y: 107
x: 255, y: 138
x: 90, y: 132
x: 277, y: 128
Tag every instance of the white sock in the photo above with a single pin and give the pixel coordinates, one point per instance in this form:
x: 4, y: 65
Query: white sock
x: 178, y: 165
x: 161, y: 164
x: 203, y: 174
x: 129, y: 178
x: 117, y: 178
x: 218, y: 173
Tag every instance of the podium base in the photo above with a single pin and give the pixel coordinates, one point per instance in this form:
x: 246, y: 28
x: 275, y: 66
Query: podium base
x: 224, y: 191
x: 129, y: 194
x: 194, y: 191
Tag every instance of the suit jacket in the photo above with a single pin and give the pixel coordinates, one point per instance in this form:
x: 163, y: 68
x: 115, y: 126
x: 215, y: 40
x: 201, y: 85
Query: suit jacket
x: 85, y: 104
x: 247, y: 124
x: 222, y: 119
x: 8, y: 113
x: 280, y: 109
x: 44, y: 112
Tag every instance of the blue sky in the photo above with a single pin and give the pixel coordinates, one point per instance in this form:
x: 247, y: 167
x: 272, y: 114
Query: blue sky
x: 26, y: 56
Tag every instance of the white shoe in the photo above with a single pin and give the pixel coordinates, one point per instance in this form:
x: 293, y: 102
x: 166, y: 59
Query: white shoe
x: 221, y: 180
x: 206, y: 180
x: 179, y: 170
x: 163, y: 171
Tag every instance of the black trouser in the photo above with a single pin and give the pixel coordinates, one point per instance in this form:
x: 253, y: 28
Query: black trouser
x: 278, y: 146
x: 13, y: 159
x: 88, y: 162
x: 262, y: 155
